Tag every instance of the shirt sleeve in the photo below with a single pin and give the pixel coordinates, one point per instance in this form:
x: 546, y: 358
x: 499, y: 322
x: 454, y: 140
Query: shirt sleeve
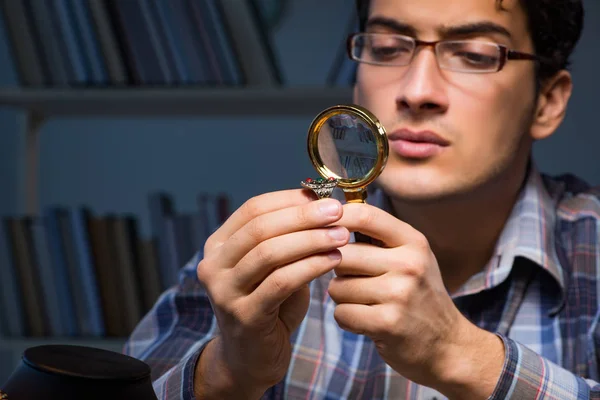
x: 527, y: 375
x: 172, y: 335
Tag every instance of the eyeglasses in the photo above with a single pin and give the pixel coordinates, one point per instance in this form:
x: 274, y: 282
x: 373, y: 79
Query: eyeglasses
x: 469, y: 56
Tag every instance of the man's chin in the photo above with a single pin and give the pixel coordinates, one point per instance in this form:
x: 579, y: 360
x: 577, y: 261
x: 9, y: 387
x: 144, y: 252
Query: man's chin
x: 421, y: 192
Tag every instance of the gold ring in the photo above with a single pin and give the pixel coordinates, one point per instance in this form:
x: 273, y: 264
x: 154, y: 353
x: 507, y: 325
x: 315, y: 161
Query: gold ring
x: 322, y: 187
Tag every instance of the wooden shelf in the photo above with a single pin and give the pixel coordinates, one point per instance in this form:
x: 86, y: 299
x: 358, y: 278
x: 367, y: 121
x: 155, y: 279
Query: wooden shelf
x: 176, y: 102
x: 130, y: 102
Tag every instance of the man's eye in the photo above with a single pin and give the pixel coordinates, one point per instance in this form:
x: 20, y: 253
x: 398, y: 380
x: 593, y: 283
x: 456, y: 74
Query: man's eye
x: 478, y: 59
x: 387, y: 52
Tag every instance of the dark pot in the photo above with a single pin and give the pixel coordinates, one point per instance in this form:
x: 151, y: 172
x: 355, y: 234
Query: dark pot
x: 60, y: 372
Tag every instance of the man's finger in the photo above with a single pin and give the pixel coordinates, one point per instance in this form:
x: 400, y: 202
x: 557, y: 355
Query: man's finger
x: 256, y: 265
x: 356, y: 318
x: 277, y: 223
x: 362, y: 260
x: 254, y: 207
x: 378, y: 224
x: 283, y: 282
x: 357, y: 290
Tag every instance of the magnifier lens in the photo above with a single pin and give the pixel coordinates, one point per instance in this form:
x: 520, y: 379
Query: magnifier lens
x: 347, y: 143
x: 347, y: 146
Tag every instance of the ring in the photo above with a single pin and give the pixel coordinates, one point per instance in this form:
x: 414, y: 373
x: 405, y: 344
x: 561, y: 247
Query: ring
x: 322, y: 187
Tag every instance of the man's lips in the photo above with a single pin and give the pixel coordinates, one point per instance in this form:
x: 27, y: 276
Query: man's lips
x: 418, y: 137
x: 416, y: 145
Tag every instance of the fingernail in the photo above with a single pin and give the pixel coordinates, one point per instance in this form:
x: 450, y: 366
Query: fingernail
x: 335, y: 255
x: 329, y: 207
x: 337, y: 233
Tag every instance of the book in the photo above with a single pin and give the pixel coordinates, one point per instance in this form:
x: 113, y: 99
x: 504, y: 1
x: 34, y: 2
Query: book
x: 252, y: 45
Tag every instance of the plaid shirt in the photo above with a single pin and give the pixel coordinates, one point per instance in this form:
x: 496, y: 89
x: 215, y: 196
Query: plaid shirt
x: 539, y: 293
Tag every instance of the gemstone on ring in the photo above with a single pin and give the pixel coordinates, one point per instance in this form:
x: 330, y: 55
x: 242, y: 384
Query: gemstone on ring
x: 323, y: 188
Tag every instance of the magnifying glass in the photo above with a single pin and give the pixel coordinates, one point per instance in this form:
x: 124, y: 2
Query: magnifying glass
x: 348, y: 147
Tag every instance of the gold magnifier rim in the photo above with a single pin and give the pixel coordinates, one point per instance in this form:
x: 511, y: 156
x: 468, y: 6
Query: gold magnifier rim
x: 380, y: 139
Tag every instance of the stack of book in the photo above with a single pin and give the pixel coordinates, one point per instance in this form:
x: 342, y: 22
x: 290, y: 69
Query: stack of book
x: 69, y: 272
x: 108, y: 43
x: 343, y: 71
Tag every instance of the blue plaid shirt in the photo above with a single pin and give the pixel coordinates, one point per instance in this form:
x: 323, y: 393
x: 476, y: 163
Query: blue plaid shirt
x: 539, y: 292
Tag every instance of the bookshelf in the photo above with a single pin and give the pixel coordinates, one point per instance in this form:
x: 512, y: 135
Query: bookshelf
x: 97, y: 59
x: 40, y: 105
x: 124, y: 102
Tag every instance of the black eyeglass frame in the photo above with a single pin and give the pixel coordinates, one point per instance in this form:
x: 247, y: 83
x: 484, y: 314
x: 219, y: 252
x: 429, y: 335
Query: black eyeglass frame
x: 505, y: 53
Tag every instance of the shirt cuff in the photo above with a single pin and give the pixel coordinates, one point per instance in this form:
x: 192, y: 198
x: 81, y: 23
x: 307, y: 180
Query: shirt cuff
x: 527, y: 375
x: 178, y: 382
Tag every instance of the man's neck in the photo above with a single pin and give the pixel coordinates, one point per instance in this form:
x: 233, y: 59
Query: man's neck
x: 463, y: 231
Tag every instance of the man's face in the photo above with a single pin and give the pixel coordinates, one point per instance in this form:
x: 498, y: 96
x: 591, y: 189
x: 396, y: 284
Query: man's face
x: 482, y: 118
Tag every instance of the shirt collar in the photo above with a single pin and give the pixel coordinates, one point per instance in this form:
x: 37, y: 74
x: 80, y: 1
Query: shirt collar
x: 529, y: 232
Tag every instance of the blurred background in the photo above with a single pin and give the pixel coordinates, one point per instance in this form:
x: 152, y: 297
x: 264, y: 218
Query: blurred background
x: 135, y: 153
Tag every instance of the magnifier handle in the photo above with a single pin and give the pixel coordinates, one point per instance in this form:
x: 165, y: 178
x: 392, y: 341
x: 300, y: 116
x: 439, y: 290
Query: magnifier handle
x: 360, y: 196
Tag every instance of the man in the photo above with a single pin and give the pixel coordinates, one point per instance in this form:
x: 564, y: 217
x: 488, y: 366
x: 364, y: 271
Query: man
x: 486, y: 285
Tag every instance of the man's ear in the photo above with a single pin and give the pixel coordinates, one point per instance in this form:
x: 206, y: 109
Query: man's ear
x: 552, y: 105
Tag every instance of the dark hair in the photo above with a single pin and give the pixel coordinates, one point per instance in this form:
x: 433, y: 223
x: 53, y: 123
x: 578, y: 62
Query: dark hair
x: 555, y: 27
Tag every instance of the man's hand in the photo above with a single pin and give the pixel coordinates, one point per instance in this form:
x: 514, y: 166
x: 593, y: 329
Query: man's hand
x: 395, y: 295
x: 256, y: 270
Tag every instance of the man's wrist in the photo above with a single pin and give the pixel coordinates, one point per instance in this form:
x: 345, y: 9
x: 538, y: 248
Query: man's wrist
x: 213, y: 380
x: 471, y: 369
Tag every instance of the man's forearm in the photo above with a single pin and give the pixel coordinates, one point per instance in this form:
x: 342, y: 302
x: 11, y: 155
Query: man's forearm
x: 213, y: 380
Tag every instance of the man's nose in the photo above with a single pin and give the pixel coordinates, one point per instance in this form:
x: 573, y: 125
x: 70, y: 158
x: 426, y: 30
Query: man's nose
x: 423, y: 87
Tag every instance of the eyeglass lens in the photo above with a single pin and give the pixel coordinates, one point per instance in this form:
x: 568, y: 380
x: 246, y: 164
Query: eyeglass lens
x: 391, y: 49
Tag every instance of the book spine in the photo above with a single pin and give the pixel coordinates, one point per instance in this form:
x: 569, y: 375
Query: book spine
x: 128, y: 16
x: 58, y: 260
x: 109, y: 44
x: 90, y: 47
x: 46, y: 35
x: 70, y: 39
x: 49, y: 289
x: 214, y: 13
x: 205, y: 39
x: 172, y: 42
x: 28, y: 276
x: 79, y: 220
x: 249, y: 38
x: 11, y: 295
x: 29, y: 63
x: 195, y: 54
x: 156, y: 43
